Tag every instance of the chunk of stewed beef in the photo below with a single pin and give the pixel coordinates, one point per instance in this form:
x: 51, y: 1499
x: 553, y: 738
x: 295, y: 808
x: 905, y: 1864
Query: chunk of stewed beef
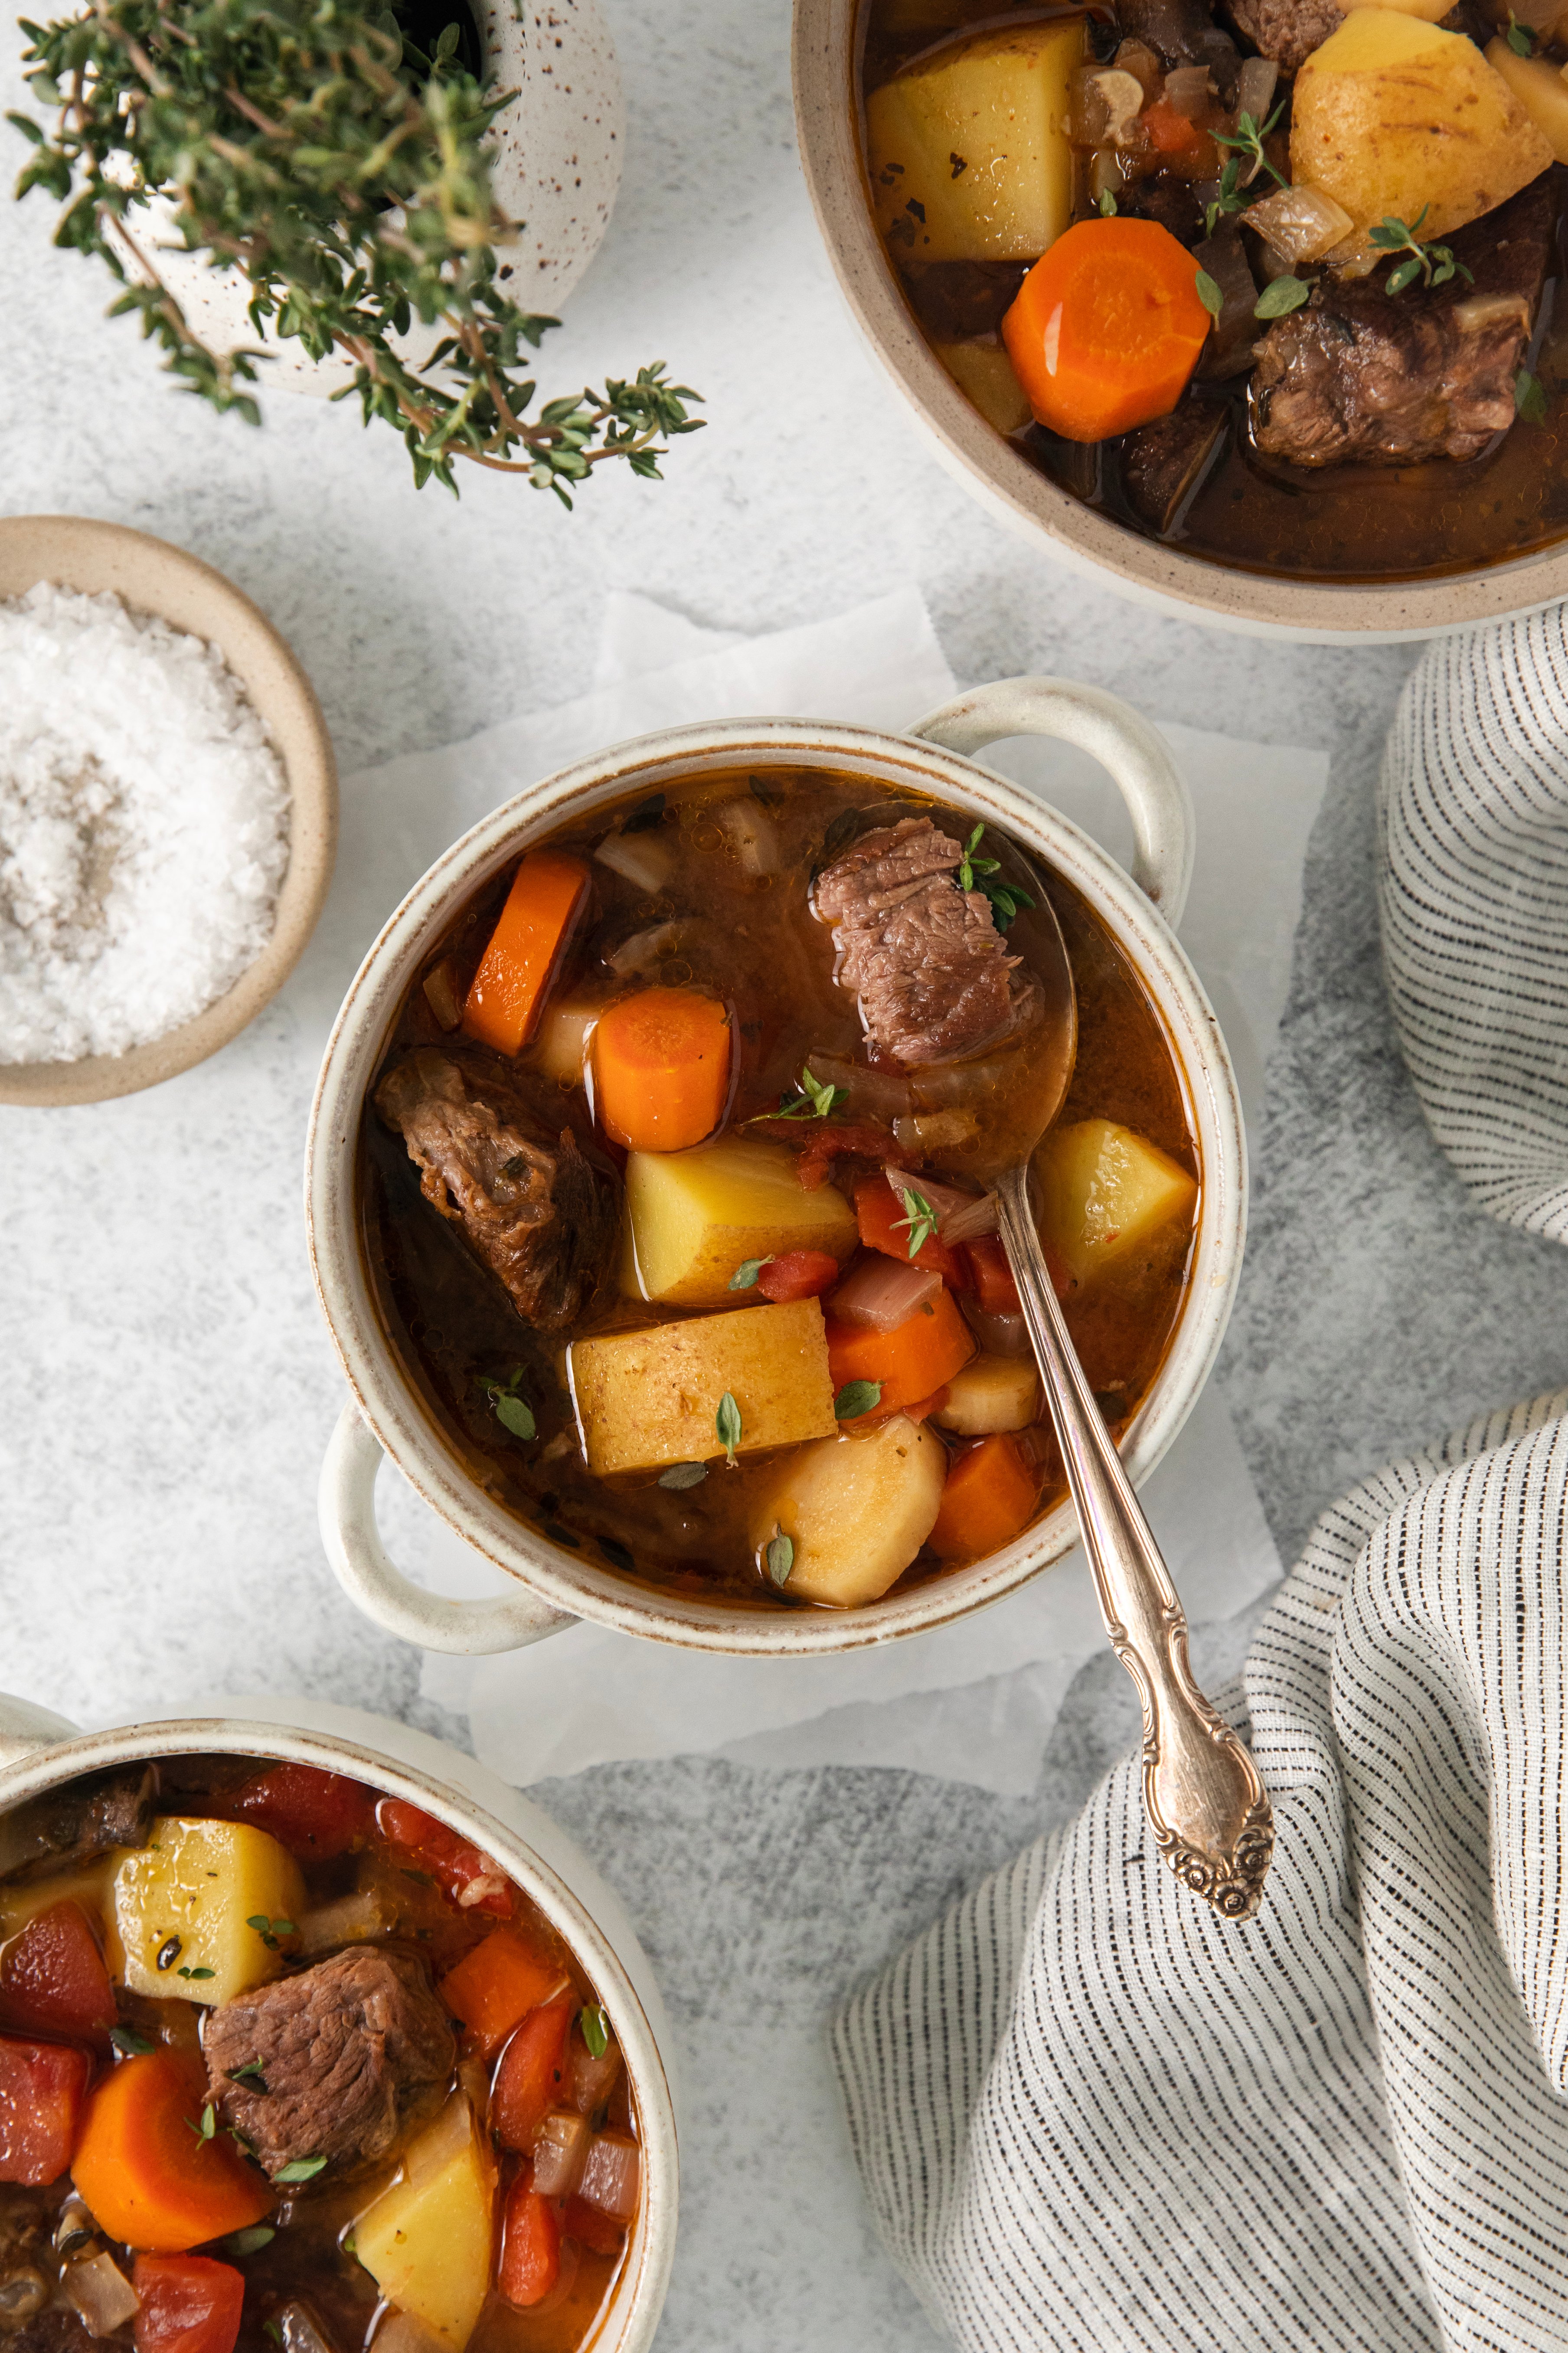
x: 323, y: 2063
x: 924, y: 958
x: 75, y: 1824
x: 1287, y: 30
x: 1365, y: 378
x: 1164, y: 462
x: 533, y: 1206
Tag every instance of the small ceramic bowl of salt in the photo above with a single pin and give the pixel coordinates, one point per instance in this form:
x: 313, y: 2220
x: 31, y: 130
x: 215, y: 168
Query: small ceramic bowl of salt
x: 168, y: 810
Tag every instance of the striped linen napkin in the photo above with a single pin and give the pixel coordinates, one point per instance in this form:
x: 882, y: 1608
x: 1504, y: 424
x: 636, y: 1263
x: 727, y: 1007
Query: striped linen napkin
x: 1090, y: 2114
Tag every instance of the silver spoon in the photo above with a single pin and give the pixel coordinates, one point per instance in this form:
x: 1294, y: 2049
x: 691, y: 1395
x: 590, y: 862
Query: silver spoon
x: 1204, y: 1798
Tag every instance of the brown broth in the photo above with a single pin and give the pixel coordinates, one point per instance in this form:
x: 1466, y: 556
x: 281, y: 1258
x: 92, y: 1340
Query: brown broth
x: 305, y: 2260
x: 752, y: 940
x: 1255, y: 514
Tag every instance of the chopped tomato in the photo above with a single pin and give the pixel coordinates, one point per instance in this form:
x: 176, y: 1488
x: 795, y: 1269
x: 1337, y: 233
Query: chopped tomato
x: 42, y: 2087
x: 531, y: 2074
x: 189, y: 2304
x: 531, y: 2250
x: 884, y: 1217
x: 824, y: 1140
x: 995, y: 1291
x: 471, y: 1880
x: 315, y: 1815
x: 591, y: 2228
x: 496, y: 1984
x: 797, y: 1274
x: 1171, y: 133
x: 53, y: 1981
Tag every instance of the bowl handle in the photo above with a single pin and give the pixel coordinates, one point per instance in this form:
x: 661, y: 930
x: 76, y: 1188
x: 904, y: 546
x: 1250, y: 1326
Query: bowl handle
x: 25, y: 1729
x: 434, y: 1621
x: 1134, y: 754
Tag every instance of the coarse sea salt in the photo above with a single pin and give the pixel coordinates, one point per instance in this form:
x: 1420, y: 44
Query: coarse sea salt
x: 144, y: 827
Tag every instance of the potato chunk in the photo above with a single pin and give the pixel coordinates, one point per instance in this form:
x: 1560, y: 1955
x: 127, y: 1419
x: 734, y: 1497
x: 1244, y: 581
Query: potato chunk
x: 984, y: 374
x: 692, y: 1218
x: 645, y: 1399
x: 426, y: 2241
x: 1104, y: 1189
x: 1396, y: 117
x: 968, y: 154
x: 857, y: 1509
x: 189, y: 1897
x: 1540, y: 89
x: 991, y: 1394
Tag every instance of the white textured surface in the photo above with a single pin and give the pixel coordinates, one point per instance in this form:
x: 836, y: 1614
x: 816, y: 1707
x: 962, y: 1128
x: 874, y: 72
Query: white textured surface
x: 165, y: 1389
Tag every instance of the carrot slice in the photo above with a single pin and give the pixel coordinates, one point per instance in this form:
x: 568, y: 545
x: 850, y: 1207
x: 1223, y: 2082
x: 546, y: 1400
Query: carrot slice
x: 989, y: 1498
x: 144, y: 2169
x: 495, y: 1986
x: 661, y: 1069
x: 528, y: 2080
x: 507, y: 992
x: 530, y: 2248
x: 910, y: 1363
x: 1107, y: 328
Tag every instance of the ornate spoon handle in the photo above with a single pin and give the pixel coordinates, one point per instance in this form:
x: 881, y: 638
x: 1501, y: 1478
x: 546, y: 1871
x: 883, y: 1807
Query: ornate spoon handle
x: 1205, y: 1800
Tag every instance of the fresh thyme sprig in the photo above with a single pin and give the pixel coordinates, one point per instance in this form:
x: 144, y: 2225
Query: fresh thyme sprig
x: 920, y: 1218
x: 1433, y: 264
x: 512, y: 1410
x: 1242, y: 167
x: 811, y: 1100
x: 348, y: 179
x: 974, y: 874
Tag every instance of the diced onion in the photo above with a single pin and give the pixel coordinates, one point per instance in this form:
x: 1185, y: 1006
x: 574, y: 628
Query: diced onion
x: 752, y: 836
x: 641, y: 859
x: 611, y: 2175
x: 1302, y: 223
x: 976, y: 1218
x: 299, y: 2333
x: 1188, y: 89
x: 644, y: 949
x: 936, y: 1131
x: 873, y: 1094
x: 1106, y: 103
x: 882, y: 1292
x: 441, y: 993
x: 101, y: 2294
x: 560, y: 2150
x: 591, y: 2081
x: 999, y: 1335
x: 1255, y: 88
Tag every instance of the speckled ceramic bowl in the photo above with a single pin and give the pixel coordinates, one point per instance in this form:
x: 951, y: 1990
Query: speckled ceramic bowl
x: 38, y: 1751
x: 385, y: 1414
x: 1152, y: 572
x: 151, y: 576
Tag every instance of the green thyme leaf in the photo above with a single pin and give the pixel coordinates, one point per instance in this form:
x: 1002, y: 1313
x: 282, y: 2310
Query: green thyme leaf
x: 919, y: 1217
x: 1530, y: 397
x: 249, y: 2075
x: 727, y: 1423
x: 1210, y: 294
x: 745, y: 1275
x: 209, y: 2121
x: 1248, y: 140
x: 301, y: 2168
x: 128, y: 2042
x: 1107, y: 205
x: 595, y: 2029
x: 1398, y: 279
x: 1519, y: 37
x: 514, y: 1414
x: 248, y: 2243
x: 196, y: 1973
x: 855, y: 1398
x: 683, y: 1474
x: 780, y: 1558
x: 1280, y: 296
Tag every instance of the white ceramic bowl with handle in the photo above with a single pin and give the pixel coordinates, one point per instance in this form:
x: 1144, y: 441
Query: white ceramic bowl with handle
x: 38, y: 1751
x: 385, y: 1414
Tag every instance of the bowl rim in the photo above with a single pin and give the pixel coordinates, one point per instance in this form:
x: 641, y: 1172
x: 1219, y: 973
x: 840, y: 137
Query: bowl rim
x: 398, y: 1419
x: 149, y: 575
x: 443, y: 1783
x: 1253, y: 604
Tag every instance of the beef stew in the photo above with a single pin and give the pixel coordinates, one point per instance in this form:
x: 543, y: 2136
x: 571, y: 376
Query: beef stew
x: 741, y: 1017
x: 289, y: 2066
x: 1269, y: 280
